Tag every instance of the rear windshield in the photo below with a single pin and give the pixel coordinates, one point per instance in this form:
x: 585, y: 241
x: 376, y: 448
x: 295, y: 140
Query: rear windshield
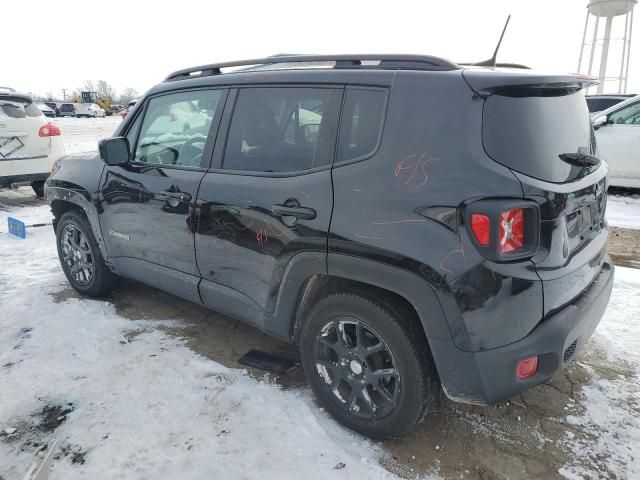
x: 66, y: 107
x: 17, y: 107
x: 528, y: 133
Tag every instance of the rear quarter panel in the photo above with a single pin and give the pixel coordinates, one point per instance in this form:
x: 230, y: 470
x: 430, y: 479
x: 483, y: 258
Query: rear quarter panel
x: 386, y: 208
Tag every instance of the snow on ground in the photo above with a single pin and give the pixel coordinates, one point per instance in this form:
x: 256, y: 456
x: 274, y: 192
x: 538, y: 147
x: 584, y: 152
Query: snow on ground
x: 81, y: 135
x: 611, y: 416
x: 624, y: 210
x: 133, y: 402
x: 124, y: 399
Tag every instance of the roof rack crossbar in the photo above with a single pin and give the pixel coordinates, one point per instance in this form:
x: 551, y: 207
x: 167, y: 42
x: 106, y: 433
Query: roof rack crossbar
x: 385, y: 61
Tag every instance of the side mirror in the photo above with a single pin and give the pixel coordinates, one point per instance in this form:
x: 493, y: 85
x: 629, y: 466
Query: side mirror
x: 114, y: 151
x: 599, y: 122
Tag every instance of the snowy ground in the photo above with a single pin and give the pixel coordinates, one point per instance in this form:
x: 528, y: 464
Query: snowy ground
x: 623, y: 210
x: 121, y: 396
x: 81, y: 135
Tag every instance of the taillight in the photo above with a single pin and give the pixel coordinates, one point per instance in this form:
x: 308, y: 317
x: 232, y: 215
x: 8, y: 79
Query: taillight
x: 504, y: 229
x: 481, y: 228
x: 511, y: 230
x: 49, y: 130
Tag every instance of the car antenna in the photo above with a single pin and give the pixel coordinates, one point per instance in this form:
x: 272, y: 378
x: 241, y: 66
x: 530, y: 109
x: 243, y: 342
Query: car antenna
x: 492, y: 61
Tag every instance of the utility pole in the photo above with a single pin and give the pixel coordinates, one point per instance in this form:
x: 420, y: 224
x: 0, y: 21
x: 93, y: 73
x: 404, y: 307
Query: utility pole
x: 64, y: 93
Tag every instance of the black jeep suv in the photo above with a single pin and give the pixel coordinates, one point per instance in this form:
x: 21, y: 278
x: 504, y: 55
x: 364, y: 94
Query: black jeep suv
x: 407, y: 221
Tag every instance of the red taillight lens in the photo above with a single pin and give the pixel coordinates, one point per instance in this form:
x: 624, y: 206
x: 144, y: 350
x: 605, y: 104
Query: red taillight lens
x: 481, y: 228
x: 527, y: 368
x: 511, y: 230
x: 49, y: 130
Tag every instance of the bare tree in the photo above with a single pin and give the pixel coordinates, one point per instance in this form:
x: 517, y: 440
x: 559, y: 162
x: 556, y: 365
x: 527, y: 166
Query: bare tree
x: 127, y: 95
x: 49, y: 96
x: 88, y: 86
x: 105, y: 90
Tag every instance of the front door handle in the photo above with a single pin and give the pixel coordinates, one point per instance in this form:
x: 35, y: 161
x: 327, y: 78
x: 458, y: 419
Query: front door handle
x: 180, y: 196
x: 303, y: 213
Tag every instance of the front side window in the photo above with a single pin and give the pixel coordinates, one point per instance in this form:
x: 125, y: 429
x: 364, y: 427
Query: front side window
x: 175, y: 128
x: 282, y: 129
x: 361, y: 127
x: 629, y: 115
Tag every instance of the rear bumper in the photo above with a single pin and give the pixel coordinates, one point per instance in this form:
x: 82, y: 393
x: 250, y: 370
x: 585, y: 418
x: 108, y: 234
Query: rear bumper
x: 31, y: 177
x: 488, y: 376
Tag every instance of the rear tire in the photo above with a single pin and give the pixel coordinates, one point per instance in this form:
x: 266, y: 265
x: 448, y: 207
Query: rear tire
x: 369, y: 367
x: 38, y: 188
x: 80, y: 256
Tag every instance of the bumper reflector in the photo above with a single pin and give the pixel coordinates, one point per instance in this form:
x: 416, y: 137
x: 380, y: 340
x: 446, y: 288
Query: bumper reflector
x: 527, y: 368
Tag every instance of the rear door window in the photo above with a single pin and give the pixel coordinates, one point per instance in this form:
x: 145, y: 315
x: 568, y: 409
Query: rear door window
x: 282, y: 129
x: 362, y: 120
x: 529, y: 133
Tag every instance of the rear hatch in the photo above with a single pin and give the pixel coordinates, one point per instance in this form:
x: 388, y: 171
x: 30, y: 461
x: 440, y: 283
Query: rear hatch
x: 20, y: 122
x: 539, y: 127
x: 67, y: 108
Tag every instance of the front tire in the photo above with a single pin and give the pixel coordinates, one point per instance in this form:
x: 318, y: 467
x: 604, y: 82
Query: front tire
x: 80, y: 256
x: 369, y: 367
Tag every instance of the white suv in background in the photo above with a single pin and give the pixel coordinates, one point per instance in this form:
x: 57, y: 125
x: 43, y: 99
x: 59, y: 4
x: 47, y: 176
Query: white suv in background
x: 618, y: 137
x: 29, y: 143
x: 89, y: 110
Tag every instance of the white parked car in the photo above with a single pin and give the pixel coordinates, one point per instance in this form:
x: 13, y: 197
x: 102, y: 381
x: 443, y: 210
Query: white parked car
x: 89, y: 110
x: 618, y: 136
x: 29, y: 143
x: 46, y: 110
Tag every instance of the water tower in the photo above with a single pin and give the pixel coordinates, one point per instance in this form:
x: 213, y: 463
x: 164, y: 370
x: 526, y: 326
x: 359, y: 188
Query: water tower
x: 608, y: 10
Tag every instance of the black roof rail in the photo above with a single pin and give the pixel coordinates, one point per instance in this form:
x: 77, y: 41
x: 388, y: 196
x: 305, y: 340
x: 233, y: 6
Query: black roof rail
x: 385, y: 61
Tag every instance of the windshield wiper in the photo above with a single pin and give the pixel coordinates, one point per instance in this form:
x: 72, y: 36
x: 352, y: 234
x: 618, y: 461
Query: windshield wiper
x: 580, y: 159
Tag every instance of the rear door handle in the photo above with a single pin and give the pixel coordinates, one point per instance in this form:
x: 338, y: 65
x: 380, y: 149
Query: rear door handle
x: 303, y: 213
x: 180, y: 196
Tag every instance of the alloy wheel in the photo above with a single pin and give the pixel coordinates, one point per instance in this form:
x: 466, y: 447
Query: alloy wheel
x: 357, y: 367
x: 77, y: 255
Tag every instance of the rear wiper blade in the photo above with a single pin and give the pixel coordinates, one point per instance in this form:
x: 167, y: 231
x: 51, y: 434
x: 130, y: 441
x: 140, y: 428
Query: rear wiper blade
x: 580, y: 159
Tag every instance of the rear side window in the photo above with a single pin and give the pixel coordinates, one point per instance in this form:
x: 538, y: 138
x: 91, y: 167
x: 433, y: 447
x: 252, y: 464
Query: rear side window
x: 16, y: 107
x: 529, y: 133
x: 362, y: 120
x: 282, y: 129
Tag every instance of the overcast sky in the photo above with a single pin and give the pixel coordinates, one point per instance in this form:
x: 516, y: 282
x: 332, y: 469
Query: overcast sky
x: 49, y: 45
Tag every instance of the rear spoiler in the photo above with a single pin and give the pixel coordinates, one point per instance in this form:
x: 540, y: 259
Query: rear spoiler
x: 524, y: 84
x: 16, y: 97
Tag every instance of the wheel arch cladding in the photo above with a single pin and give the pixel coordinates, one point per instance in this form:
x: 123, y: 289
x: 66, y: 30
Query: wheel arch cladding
x: 406, y: 290
x: 62, y: 200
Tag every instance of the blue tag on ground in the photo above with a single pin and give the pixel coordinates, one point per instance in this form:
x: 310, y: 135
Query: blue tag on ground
x: 17, y: 228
